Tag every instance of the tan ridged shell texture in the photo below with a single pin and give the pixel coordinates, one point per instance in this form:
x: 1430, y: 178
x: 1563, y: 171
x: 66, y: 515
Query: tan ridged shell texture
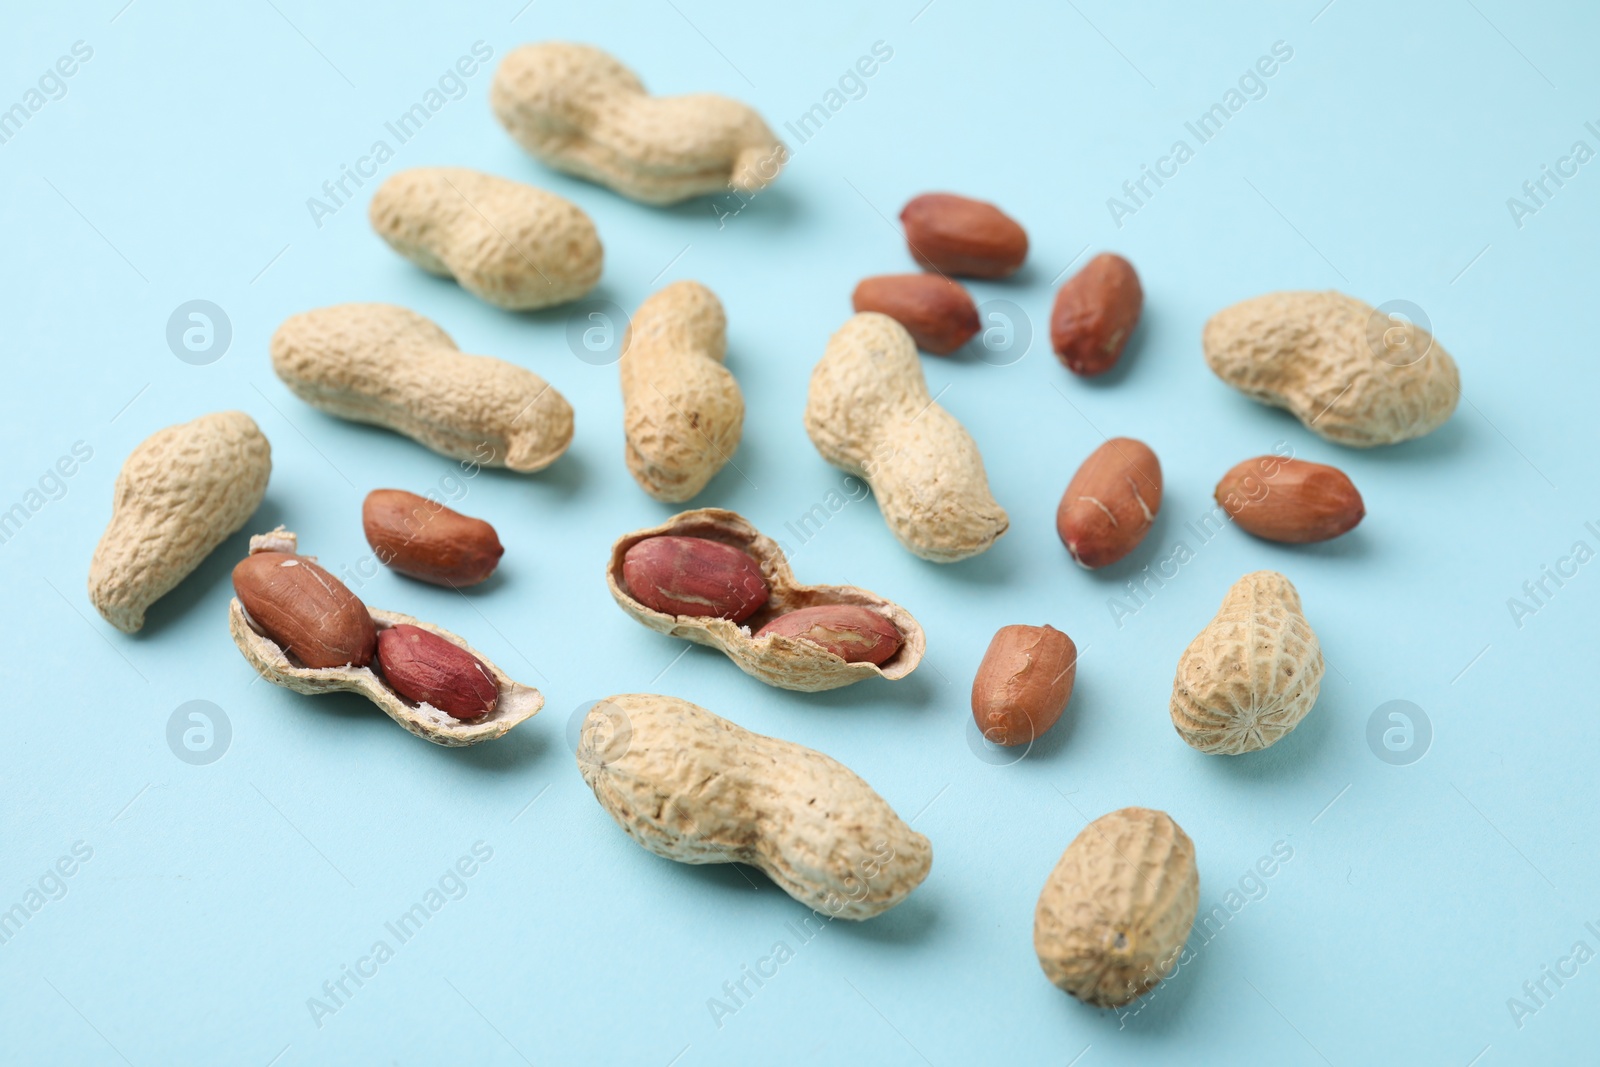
x: 682, y: 410
x: 178, y: 496
x: 385, y: 365
x: 579, y: 110
x: 510, y: 244
x: 1351, y: 374
x: 869, y: 412
x: 517, y: 702
x: 1117, y: 909
x: 1252, y: 674
x: 696, y: 788
x: 777, y: 660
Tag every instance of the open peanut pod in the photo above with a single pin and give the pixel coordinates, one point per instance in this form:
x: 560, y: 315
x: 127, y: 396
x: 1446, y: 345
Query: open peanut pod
x: 777, y: 659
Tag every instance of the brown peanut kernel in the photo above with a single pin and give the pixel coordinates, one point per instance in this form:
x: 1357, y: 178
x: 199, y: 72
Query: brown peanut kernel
x: 426, y: 669
x: 1110, y: 503
x: 694, y: 576
x: 306, y: 610
x: 423, y: 539
x: 849, y: 631
x: 1023, y: 684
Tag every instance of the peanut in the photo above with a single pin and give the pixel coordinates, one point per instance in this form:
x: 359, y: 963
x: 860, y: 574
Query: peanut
x: 1111, y: 502
x: 693, y: 787
x: 577, y: 109
x: 510, y: 244
x: 956, y: 235
x: 426, y: 669
x: 781, y: 661
x: 1348, y: 373
x: 179, y: 495
x: 513, y: 703
x: 869, y: 412
x: 853, y: 633
x: 1116, y: 910
x: 1095, y: 313
x: 384, y: 365
x: 682, y: 410
x: 937, y: 312
x: 304, y: 609
x: 1023, y: 684
x: 1252, y: 674
x: 694, y: 576
x: 1290, y: 500
x: 425, y: 540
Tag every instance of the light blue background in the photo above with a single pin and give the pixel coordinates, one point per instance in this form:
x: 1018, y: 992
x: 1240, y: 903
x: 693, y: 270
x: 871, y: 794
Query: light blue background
x: 219, y: 898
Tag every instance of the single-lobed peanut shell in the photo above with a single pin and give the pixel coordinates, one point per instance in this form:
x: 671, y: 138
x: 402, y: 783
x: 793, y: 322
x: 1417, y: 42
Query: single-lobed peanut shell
x: 1023, y: 684
x: 308, y: 612
x: 1252, y: 674
x: 938, y: 312
x: 424, y: 668
x: 1115, y: 912
x: 869, y: 412
x: 958, y: 235
x: 579, y: 110
x: 694, y: 576
x: 1347, y: 371
x: 695, y: 788
x: 423, y: 539
x: 507, y: 243
x: 1290, y: 500
x: 1095, y: 313
x: 515, y: 702
x: 179, y: 495
x: 849, y: 631
x: 682, y: 411
x: 777, y: 659
x: 385, y: 365
x: 1111, y: 502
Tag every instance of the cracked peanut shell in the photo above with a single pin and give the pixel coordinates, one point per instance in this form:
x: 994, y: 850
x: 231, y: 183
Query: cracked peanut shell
x: 693, y: 787
x: 777, y: 660
x: 1252, y: 674
x: 1348, y: 372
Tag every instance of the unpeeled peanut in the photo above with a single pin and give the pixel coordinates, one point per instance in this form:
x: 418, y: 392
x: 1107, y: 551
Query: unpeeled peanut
x: 179, y: 495
x: 1252, y: 674
x: 306, y: 610
x: 425, y: 668
x: 693, y: 787
x: 870, y: 413
x: 1095, y: 313
x: 579, y: 110
x: 1290, y: 500
x: 682, y: 412
x: 958, y: 235
x: 937, y: 311
x: 381, y: 364
x: 853, y: 633
x: 510, y: 244
x: 695, y: 576
x: 423, y: 539
x: 1110, y: 503
x: 1023, y: 684
x: 1115, y: 912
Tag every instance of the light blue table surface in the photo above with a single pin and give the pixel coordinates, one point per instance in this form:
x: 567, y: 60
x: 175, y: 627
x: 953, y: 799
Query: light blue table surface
x: 1423, y: 901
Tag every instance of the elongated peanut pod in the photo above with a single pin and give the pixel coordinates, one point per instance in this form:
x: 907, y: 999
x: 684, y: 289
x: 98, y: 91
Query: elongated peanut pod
x: 870, y: 413
x: 179, y: 495
x: 579, y: 110
x: 695, y: 788
x: 510, y: 244
x: 384, y: 365
x: 682, y: 410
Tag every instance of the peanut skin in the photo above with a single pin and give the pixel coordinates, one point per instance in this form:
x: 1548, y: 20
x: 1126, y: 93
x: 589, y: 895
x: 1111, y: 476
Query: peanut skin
x: 695, y: 576
x: 958, y: 235
x: 423, y: 539
x: 1110, y: 503
x: 1023, y: 684
x: 426, y: 669
x: 1290, y: 500
x: 306, y: 610
x: 1095, y: 313
x: 937, y: 312
x: 853, y: 633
